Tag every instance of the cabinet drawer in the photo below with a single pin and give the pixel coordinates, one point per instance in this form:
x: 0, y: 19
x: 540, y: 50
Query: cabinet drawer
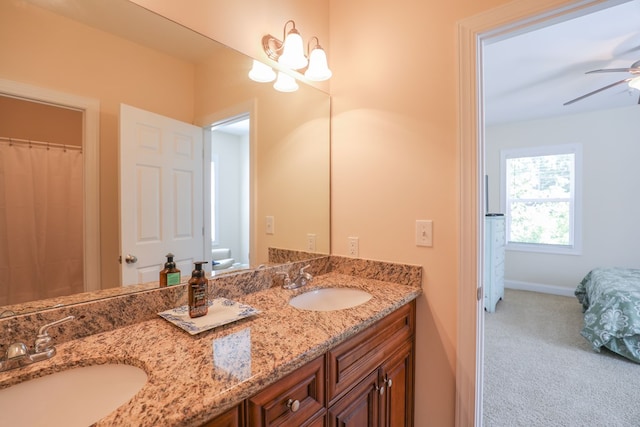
x: 306, y: 386
x: 355, y: 358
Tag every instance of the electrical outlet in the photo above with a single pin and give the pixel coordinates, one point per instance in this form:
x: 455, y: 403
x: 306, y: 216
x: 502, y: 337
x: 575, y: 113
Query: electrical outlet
x: 353, y: 246
x: 424, y: 233
x: 311, y: 242
x: 270, y: 227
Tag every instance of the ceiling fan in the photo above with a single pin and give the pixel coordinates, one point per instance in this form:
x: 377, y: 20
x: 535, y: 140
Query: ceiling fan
x: 634, y: 69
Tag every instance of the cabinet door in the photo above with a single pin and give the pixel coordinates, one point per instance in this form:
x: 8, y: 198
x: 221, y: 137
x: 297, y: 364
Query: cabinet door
x: 355, y: 358
x: 397, y: 377
x: 231, y: 418
x: 359, y: 407
x: 295, y: 400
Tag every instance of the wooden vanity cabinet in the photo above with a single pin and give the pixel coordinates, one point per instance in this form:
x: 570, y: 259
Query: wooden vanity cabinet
x: 370, y: 376
x: 234, y: 417
x: 367, y: 380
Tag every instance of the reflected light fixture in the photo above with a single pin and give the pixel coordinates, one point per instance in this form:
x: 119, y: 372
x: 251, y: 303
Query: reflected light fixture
x: 285, y: 83
x: 261, y: 72
x: 635, y: 83
x: 289, y: 53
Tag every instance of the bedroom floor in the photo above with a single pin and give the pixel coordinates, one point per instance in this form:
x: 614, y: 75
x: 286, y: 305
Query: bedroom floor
x: 539, y: 370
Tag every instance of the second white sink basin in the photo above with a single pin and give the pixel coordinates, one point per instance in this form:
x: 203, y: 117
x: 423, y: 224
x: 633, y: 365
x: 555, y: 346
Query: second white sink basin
x: 329, y: 299
x: 74, y: 397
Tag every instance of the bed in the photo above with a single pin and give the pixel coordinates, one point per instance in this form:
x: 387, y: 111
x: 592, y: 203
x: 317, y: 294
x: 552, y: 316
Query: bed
x: 610, y: 299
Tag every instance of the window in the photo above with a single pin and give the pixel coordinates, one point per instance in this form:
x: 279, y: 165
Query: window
x: 541, y: 198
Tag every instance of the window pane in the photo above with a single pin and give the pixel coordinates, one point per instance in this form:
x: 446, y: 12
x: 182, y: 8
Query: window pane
x: 540, y: 222
x: 540, y: 177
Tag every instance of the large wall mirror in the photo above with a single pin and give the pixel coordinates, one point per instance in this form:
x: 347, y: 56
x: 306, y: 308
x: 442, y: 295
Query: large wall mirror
x: 267, y: 151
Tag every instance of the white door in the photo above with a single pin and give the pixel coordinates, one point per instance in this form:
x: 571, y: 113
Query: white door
x: 161, y: 207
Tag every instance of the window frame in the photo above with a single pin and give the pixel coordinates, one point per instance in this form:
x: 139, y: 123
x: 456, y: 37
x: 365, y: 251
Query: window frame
x: 575, y: 203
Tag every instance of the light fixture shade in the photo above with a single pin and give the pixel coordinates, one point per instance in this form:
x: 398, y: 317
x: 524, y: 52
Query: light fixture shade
x: 285, y: 83
x: 318, y: 69
x: 635, y: 83
x: 261, y: 72
x: 293, y: 51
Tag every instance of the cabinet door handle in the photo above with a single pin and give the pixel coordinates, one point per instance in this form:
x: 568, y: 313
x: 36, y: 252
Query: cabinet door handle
x: 294, y: 405
x: 379, y: 389
x: 389, y: 383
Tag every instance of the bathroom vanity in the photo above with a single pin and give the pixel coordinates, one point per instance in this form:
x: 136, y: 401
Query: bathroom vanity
x: 282, y: 365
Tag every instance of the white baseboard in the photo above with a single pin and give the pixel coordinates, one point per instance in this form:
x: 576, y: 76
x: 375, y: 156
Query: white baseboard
x: 539, y: 287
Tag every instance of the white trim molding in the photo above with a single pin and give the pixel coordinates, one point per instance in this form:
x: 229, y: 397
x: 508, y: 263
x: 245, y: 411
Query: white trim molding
x: 472, y: 33
x: 540, y: 288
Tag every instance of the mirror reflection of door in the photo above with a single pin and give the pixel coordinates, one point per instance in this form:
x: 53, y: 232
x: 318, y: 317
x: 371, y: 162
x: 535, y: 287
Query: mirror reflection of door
x: 41, y: 203
x: 161, y: 198
x: 227, y: 187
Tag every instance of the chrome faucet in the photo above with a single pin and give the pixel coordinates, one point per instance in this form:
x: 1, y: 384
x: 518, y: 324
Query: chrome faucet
x: 17, y: 354
x: 302, y: 279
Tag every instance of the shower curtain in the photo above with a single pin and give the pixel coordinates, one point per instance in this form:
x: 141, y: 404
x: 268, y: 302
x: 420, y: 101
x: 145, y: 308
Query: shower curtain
x: 41, y: 222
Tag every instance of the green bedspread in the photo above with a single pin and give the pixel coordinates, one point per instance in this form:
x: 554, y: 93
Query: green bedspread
x: 610, y: 298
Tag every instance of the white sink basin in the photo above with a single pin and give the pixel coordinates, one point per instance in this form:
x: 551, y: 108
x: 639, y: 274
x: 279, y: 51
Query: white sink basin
x: 75, y: 397
x: 329, y: 299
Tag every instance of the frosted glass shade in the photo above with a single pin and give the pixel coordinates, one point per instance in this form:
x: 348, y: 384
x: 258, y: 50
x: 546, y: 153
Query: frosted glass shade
x: 293, y: 52
x: 318, y: 69
x: 261, y: 72
x: 285, y: 83
x: 635, y: 83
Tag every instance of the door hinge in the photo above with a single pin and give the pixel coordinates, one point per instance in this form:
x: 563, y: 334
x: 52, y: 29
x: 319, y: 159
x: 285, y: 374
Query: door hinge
x: 479, y: 293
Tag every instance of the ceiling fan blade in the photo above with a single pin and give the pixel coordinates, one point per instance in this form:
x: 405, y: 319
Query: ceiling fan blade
x: 611, y: 70
x: 597, y: 90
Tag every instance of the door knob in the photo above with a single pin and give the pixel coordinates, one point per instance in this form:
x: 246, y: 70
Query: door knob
x: 130, y: 259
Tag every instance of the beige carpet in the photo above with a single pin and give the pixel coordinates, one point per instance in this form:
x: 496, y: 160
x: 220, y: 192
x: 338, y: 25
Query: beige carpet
x: 539, y: 370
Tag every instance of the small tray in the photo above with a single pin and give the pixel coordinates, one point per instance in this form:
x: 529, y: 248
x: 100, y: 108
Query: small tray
x: 221, y: 312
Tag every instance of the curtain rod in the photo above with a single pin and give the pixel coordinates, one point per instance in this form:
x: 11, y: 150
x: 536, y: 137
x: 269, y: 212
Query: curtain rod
x: 39, y: 143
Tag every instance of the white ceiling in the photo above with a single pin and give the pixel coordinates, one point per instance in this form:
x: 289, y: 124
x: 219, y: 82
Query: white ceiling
x: 530, y: 75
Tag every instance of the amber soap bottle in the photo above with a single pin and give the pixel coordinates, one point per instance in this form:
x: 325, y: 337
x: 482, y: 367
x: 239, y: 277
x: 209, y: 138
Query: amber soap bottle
x: 169, y: 275
x: 198, y: 304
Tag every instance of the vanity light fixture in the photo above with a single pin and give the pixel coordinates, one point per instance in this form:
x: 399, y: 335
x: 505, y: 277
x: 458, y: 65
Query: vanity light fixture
x: 285, y: 83
x: 318, y: 69
x: 289, y: 53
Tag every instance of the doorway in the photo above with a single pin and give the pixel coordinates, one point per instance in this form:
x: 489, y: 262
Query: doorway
x: 89, y: 110
x: 473, y: 32
x: 227, y: 193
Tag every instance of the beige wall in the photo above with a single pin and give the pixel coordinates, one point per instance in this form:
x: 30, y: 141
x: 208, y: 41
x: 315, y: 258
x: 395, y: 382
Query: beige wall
x: 39, y: 122
x: 394, y: 143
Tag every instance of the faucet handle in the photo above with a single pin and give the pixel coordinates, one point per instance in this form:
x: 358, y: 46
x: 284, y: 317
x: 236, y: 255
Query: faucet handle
x: 43, y: 340
x: 303, y: 273
x: 286, y: 280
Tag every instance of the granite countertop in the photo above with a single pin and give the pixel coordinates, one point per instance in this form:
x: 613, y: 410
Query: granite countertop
x: 193, y: 378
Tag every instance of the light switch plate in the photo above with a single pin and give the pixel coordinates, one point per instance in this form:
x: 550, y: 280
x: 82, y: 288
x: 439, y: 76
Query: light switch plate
x: 270, y: 225
x: 424, y: 232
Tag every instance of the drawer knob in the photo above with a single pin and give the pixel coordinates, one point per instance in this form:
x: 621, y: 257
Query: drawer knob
x: 294, y: 405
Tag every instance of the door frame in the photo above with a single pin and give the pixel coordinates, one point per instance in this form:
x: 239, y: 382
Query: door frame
x: 90, y: 108
x: 472, y: 32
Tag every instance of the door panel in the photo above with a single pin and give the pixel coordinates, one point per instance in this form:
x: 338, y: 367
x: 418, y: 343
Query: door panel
x: 160, y: 194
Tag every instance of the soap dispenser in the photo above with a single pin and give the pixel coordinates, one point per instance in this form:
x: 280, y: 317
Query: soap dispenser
x: 198, y: 304
x: 169, y: 275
